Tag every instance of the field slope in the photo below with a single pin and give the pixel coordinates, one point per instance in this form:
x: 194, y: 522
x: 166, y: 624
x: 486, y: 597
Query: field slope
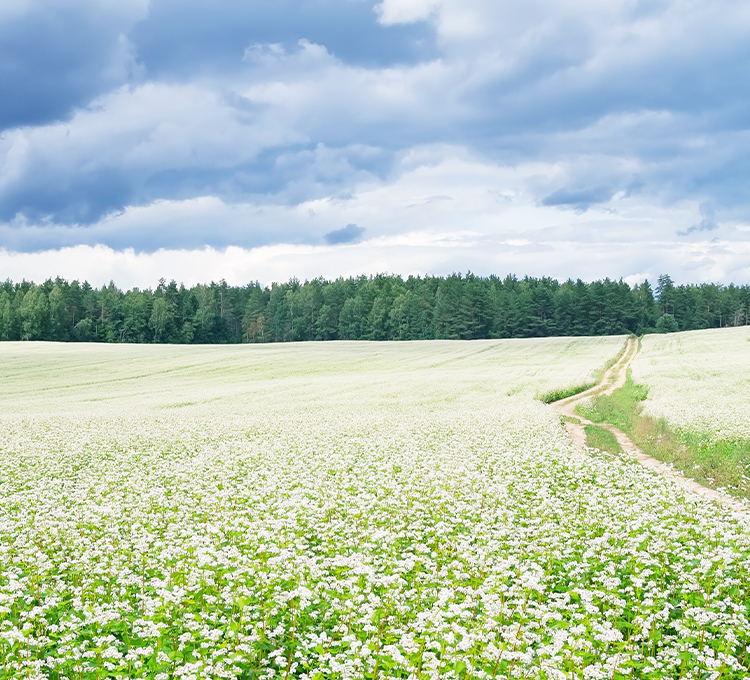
x: 345, y: 510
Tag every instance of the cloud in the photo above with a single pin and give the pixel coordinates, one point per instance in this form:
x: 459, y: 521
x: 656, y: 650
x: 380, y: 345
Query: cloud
x: 431, y: 189
x: 580, y: 199
x: 351, y: 233
x: 392, y: 12
x: 132, y: 146
x: 183, y: 37
x: 58, y: 55
x: 708, y: 223
x: 174, y: 125
x: 415, y: 253
x: 156, y: 140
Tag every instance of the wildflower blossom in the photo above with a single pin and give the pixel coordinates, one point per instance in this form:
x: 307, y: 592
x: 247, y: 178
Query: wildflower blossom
x: 335, y: 513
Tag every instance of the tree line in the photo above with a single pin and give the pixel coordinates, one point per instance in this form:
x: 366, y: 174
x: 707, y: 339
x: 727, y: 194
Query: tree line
x: 382, y: 307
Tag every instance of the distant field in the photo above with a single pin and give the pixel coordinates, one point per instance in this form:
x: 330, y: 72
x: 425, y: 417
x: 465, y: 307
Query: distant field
x: 698, y: 380
x: 91, y: 378
x: 344, y: 510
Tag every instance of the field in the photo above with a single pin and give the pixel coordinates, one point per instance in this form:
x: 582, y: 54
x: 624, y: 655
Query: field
x: 345, y: 510
x: 688, y: 404
x: 699, y: 381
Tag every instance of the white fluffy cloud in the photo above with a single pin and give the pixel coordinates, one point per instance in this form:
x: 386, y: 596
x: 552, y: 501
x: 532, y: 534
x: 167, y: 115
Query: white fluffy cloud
x: 418, y: 253
x: 393, y: 12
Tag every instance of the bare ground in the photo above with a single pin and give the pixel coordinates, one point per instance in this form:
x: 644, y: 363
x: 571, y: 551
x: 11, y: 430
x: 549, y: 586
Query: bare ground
x: 613, y: 379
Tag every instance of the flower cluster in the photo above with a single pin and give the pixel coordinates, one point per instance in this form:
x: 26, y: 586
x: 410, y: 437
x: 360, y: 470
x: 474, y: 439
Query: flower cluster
x: 698, y: 381
x: 324, y: 516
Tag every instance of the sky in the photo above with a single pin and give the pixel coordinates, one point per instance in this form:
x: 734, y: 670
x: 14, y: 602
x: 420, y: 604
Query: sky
x: 202, y: 140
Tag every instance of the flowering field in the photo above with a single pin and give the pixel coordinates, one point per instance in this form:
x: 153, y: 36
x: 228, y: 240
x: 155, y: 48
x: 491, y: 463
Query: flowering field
x: 344, y: 510
x: 698, y: 380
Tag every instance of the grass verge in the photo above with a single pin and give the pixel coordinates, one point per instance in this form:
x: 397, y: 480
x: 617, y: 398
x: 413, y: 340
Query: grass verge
x: 716, y: 464
x: 599, y: 438
x: 563, y: 392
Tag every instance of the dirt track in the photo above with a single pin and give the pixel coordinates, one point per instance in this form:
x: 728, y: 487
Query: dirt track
x: 613, y: 379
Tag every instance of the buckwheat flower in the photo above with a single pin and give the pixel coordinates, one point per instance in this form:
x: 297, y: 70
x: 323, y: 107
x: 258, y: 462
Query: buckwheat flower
x: 236, y: 532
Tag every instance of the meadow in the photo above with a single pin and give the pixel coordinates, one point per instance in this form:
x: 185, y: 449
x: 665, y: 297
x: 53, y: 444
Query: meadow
x: 687, y: 403
x: 345, y: 510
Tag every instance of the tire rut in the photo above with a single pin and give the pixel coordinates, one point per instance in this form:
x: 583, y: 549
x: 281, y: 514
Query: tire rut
x: 613, y: 379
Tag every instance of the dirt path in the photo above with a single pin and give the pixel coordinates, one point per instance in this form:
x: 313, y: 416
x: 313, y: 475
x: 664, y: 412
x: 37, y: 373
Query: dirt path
x: 613, y: 379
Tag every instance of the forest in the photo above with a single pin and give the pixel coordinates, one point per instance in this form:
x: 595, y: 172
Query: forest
x: 382, y: 307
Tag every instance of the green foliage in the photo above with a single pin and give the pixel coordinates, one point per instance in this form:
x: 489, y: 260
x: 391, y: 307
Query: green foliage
x: 621, y: 409
x: 564, y: 392
x: 34, y: 312
x: 362, y: 308
x: 352, y: 320
x: 667, y: 324
x: 602, y: 439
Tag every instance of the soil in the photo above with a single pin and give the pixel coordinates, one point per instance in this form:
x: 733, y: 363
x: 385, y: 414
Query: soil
x: 613, y: 379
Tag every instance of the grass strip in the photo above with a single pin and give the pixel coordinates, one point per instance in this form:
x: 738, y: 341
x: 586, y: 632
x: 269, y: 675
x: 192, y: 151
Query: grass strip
x: 599, y: 438
x: 565, y: 392
x: 721, y: 464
